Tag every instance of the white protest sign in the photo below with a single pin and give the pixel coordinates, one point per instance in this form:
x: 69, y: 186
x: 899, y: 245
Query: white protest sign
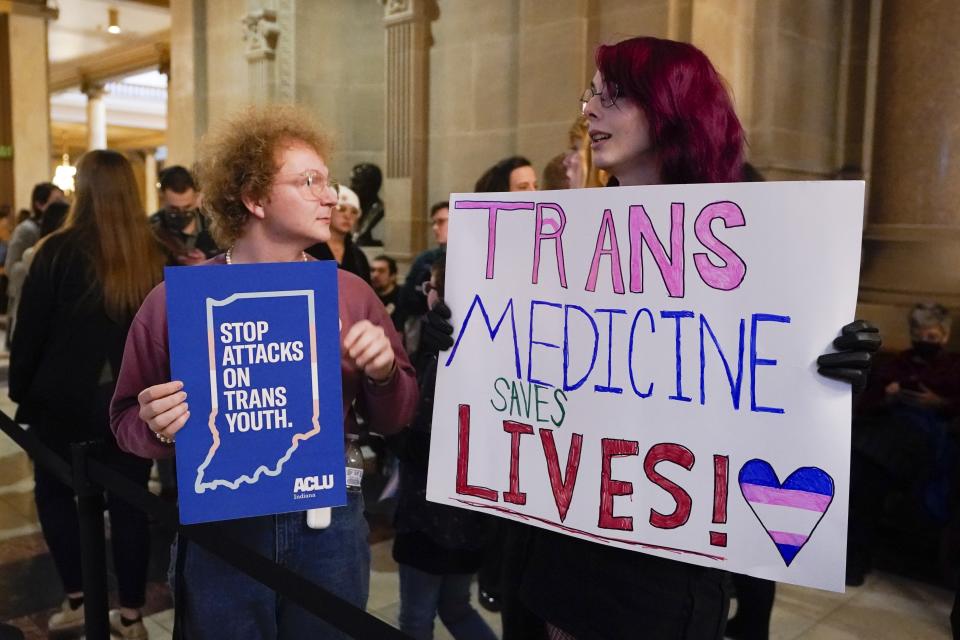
x: 636, y: 367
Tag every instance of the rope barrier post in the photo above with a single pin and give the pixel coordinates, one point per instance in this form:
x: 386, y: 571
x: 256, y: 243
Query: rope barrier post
x: 90, y: 504
x: 89, y: 477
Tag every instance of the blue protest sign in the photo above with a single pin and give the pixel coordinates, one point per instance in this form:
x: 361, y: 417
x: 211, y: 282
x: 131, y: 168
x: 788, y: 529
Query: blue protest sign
x: 258, y: 350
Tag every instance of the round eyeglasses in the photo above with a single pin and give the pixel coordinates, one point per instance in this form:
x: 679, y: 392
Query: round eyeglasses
x: 608, y: 95
x: 313, y: 185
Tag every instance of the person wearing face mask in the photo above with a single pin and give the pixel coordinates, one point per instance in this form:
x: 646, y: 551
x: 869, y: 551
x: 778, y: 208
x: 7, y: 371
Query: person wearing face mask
x: 901, y: 442
x: 179, y: 226
x: 25, y: 235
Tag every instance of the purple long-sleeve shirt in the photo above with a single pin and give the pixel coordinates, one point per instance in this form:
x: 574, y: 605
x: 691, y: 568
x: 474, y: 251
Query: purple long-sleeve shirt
x: 387, y: 407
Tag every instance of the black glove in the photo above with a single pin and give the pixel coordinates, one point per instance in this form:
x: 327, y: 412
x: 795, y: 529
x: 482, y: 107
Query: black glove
x: 436, y: 330
x: 855, y: 346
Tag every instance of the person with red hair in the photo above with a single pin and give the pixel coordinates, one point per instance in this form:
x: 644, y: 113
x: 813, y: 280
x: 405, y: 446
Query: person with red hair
x: 658, y: 113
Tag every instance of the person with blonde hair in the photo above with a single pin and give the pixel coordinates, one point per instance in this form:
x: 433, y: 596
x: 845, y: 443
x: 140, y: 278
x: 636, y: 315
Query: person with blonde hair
x: 578, y: 159
x: 84, y: 286
x: 268, y: 191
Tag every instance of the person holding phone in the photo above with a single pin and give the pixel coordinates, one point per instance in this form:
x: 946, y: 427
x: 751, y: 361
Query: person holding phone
x: 901, y: 438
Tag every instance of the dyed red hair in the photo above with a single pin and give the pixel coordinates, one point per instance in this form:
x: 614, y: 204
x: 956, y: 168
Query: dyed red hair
x: 693, y: 127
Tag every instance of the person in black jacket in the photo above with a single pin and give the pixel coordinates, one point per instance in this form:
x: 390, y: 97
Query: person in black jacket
x: 84, y: 286
x: 340, y: 246
x: 657, y: 113
x: 180, y: 226
x: 438, y: 547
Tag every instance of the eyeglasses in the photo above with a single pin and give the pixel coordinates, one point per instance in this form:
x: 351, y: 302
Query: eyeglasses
x: 313, y: 185
x: 608, y: 95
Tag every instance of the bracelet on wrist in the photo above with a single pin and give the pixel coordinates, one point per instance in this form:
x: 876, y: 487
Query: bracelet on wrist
x: 387, y: 380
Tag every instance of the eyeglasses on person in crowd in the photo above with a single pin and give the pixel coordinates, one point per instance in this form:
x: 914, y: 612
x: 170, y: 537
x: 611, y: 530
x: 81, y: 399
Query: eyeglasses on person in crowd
x: 313, y: 184
x: 608, y: 95
x: 426, y: 287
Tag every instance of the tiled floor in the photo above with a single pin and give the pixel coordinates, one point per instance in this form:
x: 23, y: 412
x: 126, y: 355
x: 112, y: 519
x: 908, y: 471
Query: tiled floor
x: 887, y: 606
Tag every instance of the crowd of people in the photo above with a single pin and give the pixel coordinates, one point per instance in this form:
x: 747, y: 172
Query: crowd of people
x: 90, y: 359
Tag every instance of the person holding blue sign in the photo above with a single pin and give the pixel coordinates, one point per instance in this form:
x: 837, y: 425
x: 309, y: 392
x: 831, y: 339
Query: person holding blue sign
x: 658, y: 113
x: 268, y: 191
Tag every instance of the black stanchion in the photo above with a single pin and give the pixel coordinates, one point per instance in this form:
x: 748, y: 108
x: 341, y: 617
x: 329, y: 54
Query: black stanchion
x: 353, y: 621
x: 92, y: 539
x: 90, y: 477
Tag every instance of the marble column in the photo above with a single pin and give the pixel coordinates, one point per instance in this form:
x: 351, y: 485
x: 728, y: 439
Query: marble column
x: 6, y: 125
x: 544, y: 69
x: 261, y: 35
x: 911, y: 248
x: 29, y: 104
x: 150, y: 198
x: 96, y: 116
x: 186, y: 80
x: 408, y: 44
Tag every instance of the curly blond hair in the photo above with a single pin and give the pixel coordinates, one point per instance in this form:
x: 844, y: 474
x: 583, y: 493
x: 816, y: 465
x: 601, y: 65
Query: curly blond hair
x: 240, y: 158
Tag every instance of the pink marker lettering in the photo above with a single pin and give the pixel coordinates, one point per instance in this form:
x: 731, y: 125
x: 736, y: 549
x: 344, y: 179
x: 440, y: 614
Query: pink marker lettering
x: 642, y: 232
x: 607, y: 229
x: 555, y: 235
x: 493, y: 208
x: 730, y: 274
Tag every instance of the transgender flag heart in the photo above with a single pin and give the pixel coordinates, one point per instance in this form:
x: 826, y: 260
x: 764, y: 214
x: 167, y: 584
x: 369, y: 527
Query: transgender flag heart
x: 789, y: 512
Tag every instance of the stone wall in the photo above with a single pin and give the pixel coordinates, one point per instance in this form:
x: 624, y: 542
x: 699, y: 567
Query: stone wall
x: 339, y: 75
x: 474, y: 77
x: 793, y: 119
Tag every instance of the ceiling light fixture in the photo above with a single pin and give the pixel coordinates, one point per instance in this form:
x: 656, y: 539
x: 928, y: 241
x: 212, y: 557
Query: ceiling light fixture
x: 113, y: 24
x: 64, y: 176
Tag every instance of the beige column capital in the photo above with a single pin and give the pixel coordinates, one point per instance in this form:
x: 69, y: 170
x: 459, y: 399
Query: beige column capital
x: 399, y: 11
x: 93, y: 90
x: 29, y: 8
x: 163, y: 59
x: 260, y: 33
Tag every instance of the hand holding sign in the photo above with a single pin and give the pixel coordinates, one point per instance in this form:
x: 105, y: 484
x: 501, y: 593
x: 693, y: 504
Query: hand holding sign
x: 258, y: 349
x: 164, y: 408
x: 436, y: 332
x: 602, y: 362
x: 855, y: 346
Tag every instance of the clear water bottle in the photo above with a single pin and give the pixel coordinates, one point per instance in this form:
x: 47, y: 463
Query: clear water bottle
x: 354, y: 460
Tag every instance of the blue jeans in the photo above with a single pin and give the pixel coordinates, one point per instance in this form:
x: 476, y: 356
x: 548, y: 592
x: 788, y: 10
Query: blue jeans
x: 424, y: 595
x: 218, y: 601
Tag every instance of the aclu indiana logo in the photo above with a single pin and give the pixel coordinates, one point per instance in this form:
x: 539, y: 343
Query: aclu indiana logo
x: 306, y: 486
